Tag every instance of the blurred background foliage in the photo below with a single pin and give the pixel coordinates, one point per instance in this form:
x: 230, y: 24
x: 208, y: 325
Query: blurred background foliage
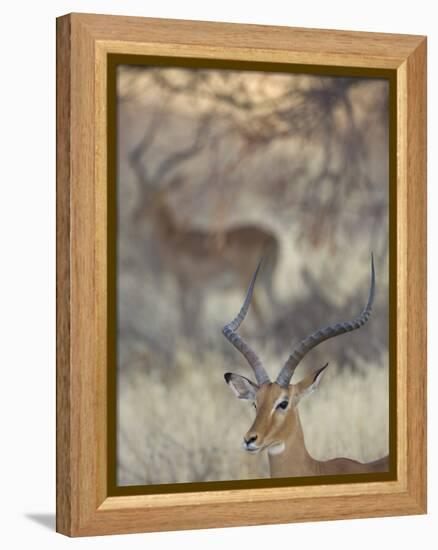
x: 217, y: 168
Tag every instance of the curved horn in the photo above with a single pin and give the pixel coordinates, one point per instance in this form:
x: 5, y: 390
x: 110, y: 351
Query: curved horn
x: 286, y: 373
x: 229, y: 331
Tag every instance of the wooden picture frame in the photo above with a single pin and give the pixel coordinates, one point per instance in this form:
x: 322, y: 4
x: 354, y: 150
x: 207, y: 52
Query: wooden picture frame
x: 85, y: 506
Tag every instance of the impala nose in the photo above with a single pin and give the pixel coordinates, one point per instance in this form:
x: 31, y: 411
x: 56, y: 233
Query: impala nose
x: 250, y: 440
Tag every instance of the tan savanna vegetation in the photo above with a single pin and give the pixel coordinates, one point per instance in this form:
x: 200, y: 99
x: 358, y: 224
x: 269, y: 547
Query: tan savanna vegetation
x: 216, y: 169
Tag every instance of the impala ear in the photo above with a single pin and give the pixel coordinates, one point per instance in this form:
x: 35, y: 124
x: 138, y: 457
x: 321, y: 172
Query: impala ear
x: 310, y: 383
x: 242, y: 387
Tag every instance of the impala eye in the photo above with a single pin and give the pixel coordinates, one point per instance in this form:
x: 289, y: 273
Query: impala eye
x: 283, y: 405
x: 254, y: 405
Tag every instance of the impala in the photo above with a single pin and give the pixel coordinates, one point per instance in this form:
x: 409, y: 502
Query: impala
x: 198, y: 257
x: 277, y: 425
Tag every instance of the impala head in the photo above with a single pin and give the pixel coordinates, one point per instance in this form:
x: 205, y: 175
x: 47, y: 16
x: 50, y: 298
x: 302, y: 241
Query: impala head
x: 276, y: 402
x: 275, y: 408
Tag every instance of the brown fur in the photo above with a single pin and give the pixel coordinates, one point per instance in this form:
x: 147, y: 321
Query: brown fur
x: 280, y: 432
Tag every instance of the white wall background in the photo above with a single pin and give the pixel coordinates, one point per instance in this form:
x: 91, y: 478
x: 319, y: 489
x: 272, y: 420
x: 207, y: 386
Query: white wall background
x: 27, y: 273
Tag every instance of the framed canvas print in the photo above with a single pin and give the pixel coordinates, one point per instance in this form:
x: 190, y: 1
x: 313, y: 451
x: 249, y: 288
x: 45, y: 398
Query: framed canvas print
x: 241, y: 274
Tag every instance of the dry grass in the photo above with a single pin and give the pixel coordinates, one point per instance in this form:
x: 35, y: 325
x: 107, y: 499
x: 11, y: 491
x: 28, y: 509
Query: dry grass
x: 348, y: 415
x: 191, y: 429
